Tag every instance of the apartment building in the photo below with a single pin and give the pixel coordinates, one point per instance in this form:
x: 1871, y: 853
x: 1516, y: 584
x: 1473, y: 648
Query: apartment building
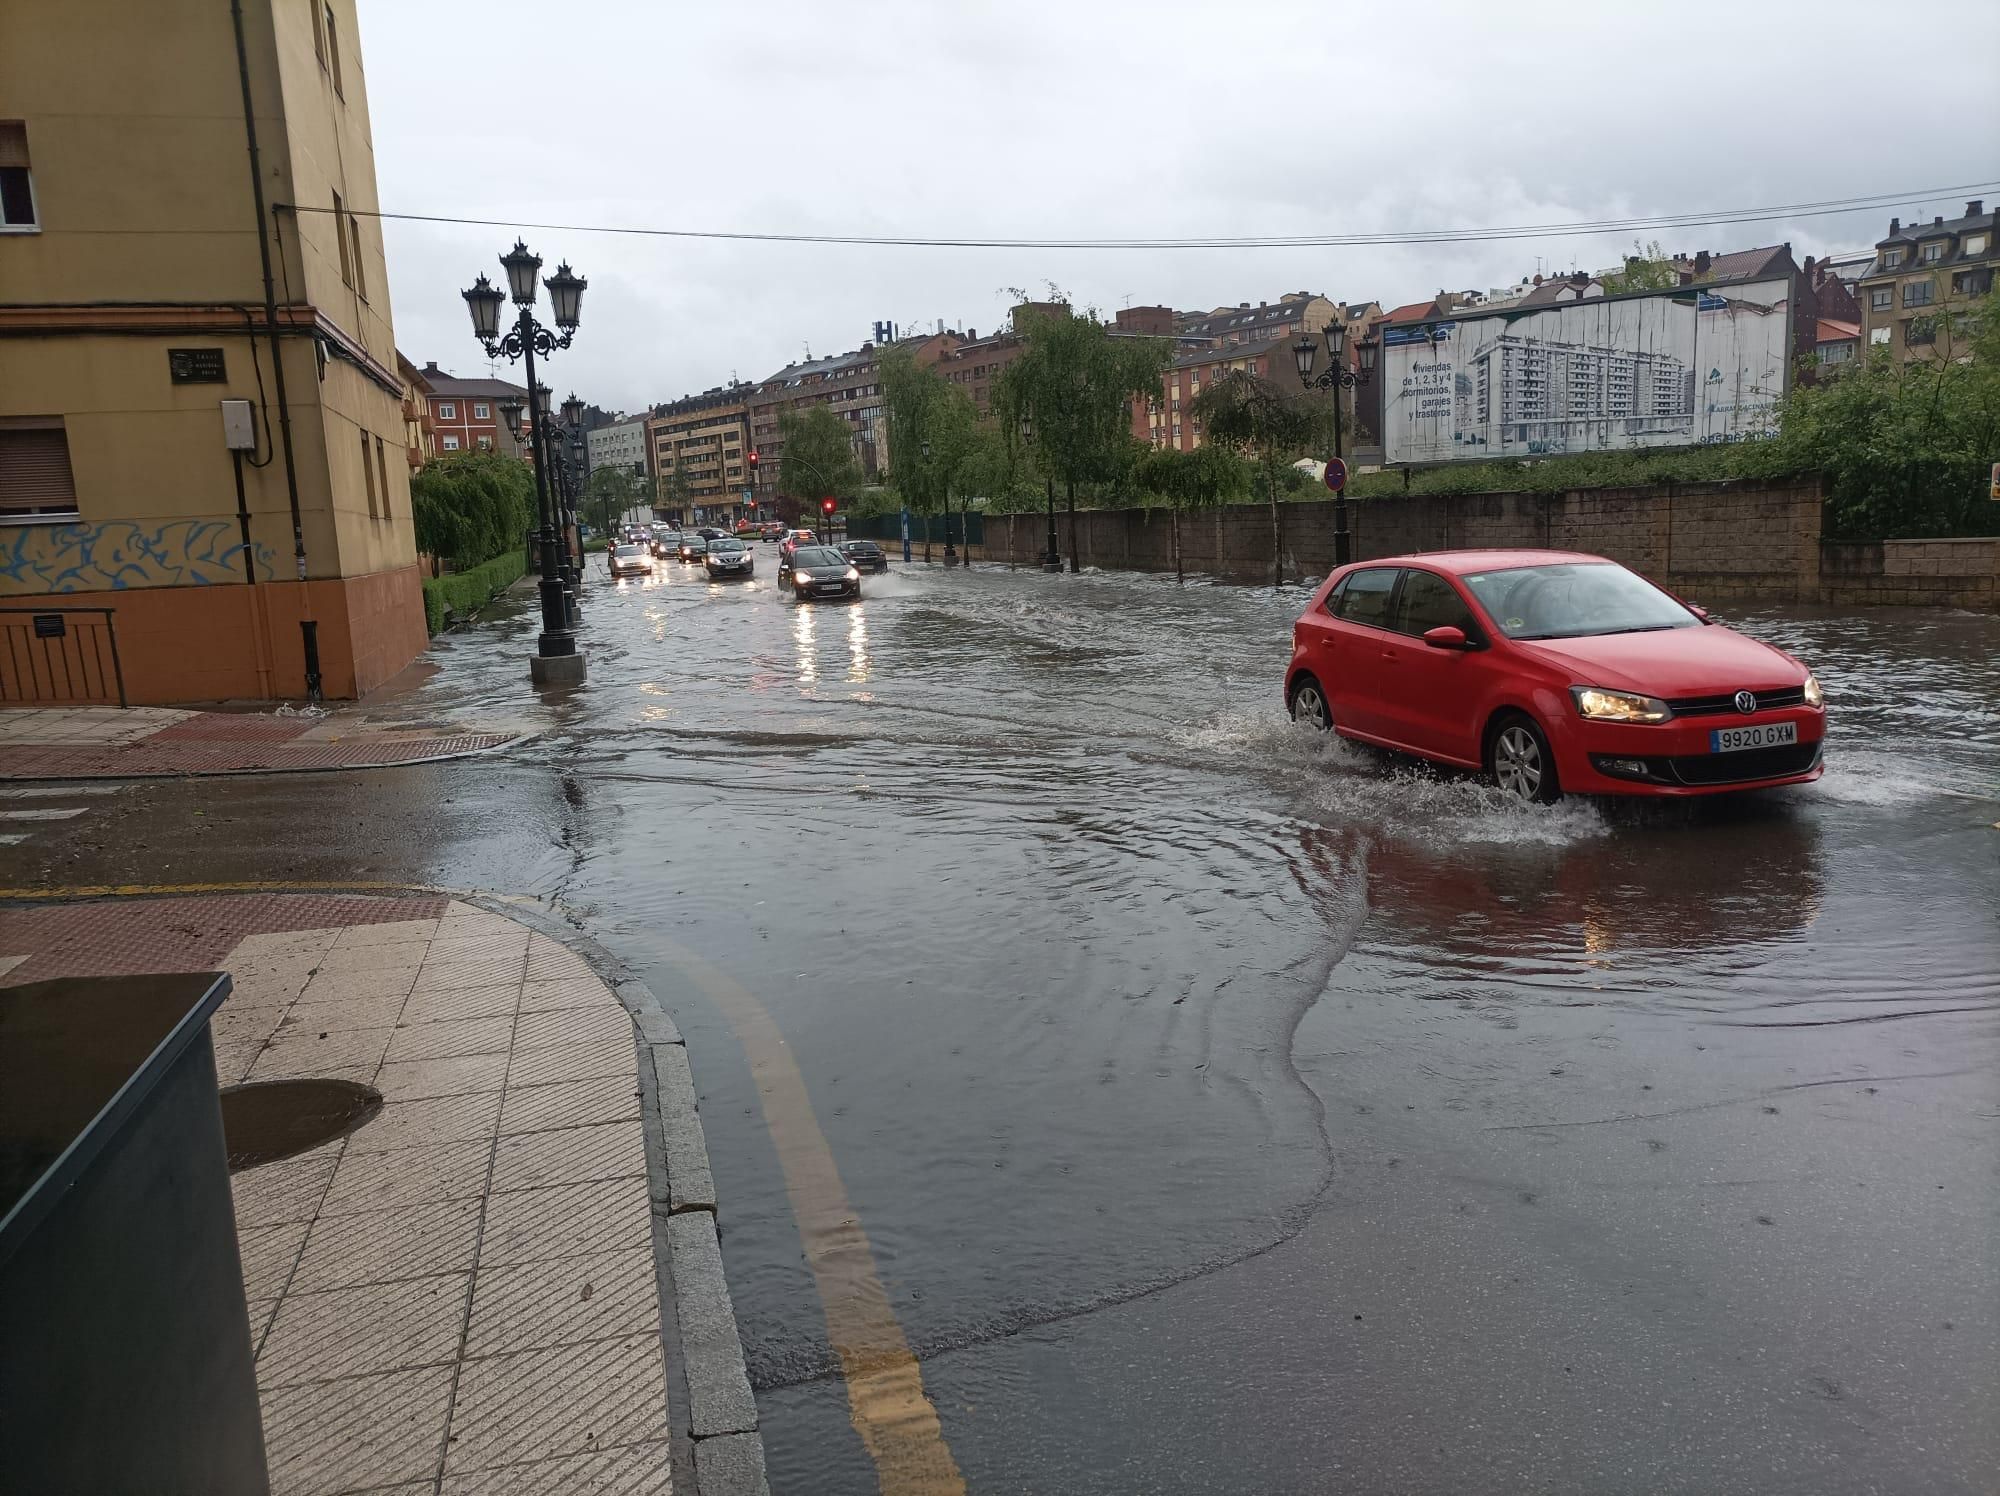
x: 1924, y: 279
x: 419, y: 436
x: 1170, y: 422
x: 465, y: 413
x: 700, y: 447
x: 619, y: 443
x: 1286, y: 318
x: 148, y: 211
x: 849, y: 384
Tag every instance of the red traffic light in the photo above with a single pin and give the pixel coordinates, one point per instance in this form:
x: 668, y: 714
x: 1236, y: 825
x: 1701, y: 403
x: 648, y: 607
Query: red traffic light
x: 826, y: 506
x: 753, y: 461
x: 753, y: 503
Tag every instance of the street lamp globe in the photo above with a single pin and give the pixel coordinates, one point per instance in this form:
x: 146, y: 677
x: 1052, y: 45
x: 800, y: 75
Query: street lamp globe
x: 484, y: 301
x: 510, y: 411
x: 522, y: 265
x: 1336, y: 342
x: 1303, y: 352
x: 1367, y: 347
x: 1027, y: 429
x: 566, y: 294
x: 572, y: 410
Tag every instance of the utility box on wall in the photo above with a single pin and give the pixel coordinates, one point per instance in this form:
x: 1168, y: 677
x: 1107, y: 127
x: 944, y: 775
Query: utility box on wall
x: 239, y: 426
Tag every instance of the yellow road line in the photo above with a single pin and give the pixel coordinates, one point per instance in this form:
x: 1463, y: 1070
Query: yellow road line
x: 885, y: 1385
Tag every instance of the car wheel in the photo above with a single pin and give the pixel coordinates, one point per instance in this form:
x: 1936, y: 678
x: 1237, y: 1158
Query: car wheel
x: 1309, y: 704
x: 1519, y: 760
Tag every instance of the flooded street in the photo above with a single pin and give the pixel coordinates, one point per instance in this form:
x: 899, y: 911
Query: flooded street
x: 1221, y: 1108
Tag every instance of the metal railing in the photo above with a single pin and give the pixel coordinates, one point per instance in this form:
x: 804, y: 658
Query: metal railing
x: 59, y: 656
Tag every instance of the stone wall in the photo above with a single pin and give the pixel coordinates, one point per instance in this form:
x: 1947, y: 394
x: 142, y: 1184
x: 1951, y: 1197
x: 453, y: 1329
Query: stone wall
x: 1745, y: 541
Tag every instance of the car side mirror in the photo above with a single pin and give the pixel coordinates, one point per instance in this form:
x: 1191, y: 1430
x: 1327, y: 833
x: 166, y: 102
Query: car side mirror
x: 1446, y: 636
x: 1699, y: 612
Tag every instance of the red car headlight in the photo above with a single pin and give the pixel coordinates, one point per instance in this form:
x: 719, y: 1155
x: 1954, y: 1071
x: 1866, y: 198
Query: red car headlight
x: 1600, y: 705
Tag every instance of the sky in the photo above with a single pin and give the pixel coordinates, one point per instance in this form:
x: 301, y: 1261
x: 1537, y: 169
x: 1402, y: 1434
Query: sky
x: 1103, y: 118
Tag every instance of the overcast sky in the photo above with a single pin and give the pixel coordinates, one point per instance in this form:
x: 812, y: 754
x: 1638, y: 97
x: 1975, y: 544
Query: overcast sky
x: 1097, y: 118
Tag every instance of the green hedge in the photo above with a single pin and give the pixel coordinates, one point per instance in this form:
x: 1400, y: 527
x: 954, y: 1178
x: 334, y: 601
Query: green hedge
x: 465, y: 592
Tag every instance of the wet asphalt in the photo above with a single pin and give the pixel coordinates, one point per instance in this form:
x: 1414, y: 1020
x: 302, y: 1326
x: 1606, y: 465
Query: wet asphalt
x: 1228, y: 1110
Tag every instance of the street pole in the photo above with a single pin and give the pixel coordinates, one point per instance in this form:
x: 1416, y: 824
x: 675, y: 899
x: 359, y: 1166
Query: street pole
x: 1052, y: 558
x: 1341, y: 545
x: 1336, y: 379
x: 556, y: 639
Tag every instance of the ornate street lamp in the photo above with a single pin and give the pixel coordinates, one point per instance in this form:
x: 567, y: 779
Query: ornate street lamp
x: 510, y: 411
x: 556, y: 658
x: 572, y: 411
x: 1052, y: 557
x: 1338, y: 377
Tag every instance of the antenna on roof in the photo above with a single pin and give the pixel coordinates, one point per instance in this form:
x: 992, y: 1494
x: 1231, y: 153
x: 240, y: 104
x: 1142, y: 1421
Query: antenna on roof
x: 809, y: 352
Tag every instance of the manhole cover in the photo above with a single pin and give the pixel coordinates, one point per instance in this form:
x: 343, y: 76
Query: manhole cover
x: 264, y: 1121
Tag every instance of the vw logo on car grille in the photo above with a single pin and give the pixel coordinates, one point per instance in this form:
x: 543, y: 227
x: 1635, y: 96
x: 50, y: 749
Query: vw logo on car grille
x: 1746, y: 703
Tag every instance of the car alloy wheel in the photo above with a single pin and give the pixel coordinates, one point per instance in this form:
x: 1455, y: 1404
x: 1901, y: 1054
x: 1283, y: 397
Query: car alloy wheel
x: 1309, y: 705
x: 1520, y: 765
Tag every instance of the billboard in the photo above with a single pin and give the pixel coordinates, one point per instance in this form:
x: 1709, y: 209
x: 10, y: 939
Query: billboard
x: 1684, y: 367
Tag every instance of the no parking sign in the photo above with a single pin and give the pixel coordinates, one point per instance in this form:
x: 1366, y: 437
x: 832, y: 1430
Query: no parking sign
x: 1336, y: 474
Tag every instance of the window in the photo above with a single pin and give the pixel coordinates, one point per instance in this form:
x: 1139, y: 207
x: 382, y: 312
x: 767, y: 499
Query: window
x: 486, y: 444
x: 368, y: 477
x: 1973, y: 282
x: 340, y: 240
x: 1918, y: 293
x: 1878, y: 335
x: 354, y: 242
x: 17, y: 185
x: 447, y: 411
x: 1836, y: 353
x: 1882, y: 298
x: 1918, y: 331
x: 333, y: 49
x: 1932, y: 252
x: 481, y: 411
x: 319, y: 32
x: 1364, y: 597
x: 35, y: 478
x: 449, y: 443
x: 1428, y: 601
x: 1891, y: 258
x: 1975, y: 244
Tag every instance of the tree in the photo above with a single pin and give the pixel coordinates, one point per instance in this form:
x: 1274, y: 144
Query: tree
x: 611, y: 492
x: 1199, y: 479
x: 818, y: 457
x: 471, y: 506
x: 1075, y: 382
x: 1904, y: 448
x: 677, y: 492
x: 1647, y: 269
x: 1272, y: 424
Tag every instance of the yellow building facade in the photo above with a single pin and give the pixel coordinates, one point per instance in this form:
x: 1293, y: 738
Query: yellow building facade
x: 202, y: 434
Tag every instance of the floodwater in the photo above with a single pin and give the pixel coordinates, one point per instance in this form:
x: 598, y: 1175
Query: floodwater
x: 1225, y: 1109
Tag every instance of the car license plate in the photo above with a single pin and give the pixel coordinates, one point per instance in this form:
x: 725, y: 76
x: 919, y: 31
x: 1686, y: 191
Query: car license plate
x: 1736, y: 739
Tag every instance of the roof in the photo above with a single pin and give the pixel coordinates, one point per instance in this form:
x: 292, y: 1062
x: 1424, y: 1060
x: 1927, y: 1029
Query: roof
x: 447, y: 387
x: 1416, y: 311
x: 1458, y: 563
x: 1226, y: 353
x: 1228, y: 319
x: 1748, y: 264
x: 1831, y: 331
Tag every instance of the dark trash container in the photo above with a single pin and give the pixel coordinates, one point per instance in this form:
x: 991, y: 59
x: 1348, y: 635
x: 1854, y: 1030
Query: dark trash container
x: 125, y: 1358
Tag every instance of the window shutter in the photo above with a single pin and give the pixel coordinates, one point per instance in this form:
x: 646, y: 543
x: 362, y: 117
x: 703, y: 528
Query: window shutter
x: 35, y: 475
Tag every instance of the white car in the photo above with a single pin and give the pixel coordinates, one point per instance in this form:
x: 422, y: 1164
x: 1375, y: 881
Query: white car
x: 631, y: 561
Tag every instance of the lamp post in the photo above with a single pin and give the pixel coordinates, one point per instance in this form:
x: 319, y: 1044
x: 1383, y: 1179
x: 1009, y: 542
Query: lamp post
x: 1338, y: 377
x: 556, y: 659
x: 1052, y: 557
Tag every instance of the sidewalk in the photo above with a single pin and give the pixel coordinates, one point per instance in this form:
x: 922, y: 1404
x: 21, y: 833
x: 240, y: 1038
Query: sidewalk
x: 95, y: 742
x: 471, y: 1291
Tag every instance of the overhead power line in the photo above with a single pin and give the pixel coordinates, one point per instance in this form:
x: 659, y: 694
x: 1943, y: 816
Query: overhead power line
x: 1822, y: 208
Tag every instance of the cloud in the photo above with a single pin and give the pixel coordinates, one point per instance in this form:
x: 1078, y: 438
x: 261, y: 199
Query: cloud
x: 1097, y: 118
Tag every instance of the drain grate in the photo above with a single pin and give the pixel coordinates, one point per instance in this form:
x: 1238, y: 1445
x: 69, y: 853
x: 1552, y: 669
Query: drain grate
x: 264, y: 1121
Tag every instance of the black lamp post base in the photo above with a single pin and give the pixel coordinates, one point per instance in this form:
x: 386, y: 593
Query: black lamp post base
x: 1052, y: 562
x: 557, y: 670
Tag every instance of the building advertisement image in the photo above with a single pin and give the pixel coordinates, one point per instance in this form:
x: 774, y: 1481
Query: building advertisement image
x: 1683, y: 367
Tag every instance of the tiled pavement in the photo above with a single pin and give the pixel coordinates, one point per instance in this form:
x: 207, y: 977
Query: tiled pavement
x: 147, y: 742
x: 460, y: 1296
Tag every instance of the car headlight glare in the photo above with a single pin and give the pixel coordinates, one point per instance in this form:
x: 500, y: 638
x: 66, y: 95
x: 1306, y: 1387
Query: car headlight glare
x: 1600, y: 705
x: 853, y: 575
x: 1815, y: 694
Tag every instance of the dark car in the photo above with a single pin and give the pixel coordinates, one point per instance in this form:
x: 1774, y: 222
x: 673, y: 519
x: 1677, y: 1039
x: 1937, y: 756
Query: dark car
x: 729, y: 558
x: 1552, y: 671
x: 709, y: 532
x: 814, y: 571
x: 692, y: 547
x: 666, y: 543
x: 864, y: 555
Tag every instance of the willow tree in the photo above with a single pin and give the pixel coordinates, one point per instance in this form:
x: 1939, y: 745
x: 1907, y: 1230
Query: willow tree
x: 1199, y: 479
x: 1074, y: 383
x: 932, y: 425
x: 1270, y: 423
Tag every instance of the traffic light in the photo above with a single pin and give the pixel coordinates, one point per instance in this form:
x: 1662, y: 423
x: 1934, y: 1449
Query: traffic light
x: 753, y: 461
x: 753, y: 506
x: 826, y: 506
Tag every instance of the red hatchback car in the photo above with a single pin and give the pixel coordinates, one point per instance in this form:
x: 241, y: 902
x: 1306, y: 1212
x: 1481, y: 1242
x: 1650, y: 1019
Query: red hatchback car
x: 1553, y: 672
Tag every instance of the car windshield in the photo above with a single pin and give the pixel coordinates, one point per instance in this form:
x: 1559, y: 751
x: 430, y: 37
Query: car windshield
x: 860, y: 547
x: 630, y: 550
x: 1571, y: 600
x: 817, y: 555
x: 721, y: 547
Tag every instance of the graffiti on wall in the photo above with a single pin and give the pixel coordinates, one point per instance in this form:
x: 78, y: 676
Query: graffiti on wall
x: 125, y: 553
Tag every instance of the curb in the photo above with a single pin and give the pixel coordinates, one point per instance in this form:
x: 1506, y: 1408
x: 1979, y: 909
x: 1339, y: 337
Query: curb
x: 144, y: 776
x: 717, y: 1447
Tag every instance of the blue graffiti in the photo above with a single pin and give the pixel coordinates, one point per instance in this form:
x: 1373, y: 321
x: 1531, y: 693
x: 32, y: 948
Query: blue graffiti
x: 112, y: 557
